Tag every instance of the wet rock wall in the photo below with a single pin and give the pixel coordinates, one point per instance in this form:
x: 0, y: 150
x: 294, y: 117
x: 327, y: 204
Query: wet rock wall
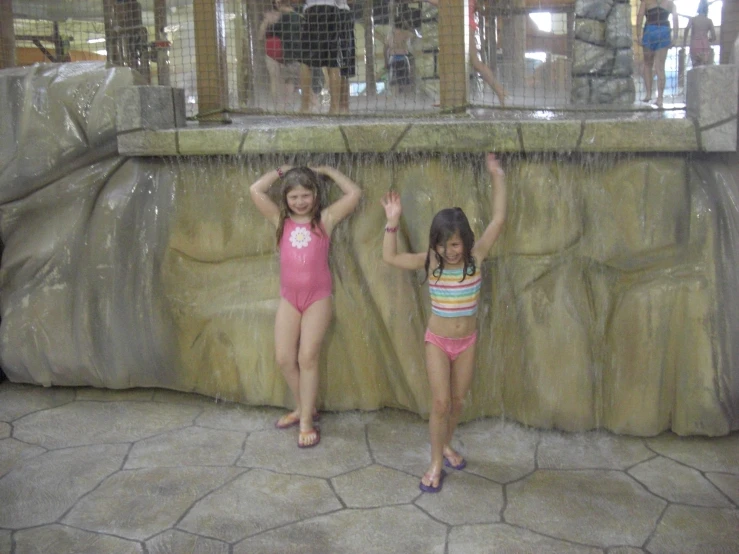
x: 607, y: 303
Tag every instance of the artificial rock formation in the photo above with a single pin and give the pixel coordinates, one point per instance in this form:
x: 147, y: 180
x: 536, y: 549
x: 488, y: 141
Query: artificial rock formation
x: 602, y: 57
x: 605, y: 303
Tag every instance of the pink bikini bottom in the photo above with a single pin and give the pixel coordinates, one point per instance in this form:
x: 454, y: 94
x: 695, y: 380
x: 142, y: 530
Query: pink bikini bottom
x: 451, y: 347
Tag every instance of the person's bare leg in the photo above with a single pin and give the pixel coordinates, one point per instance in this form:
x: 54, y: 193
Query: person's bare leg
x: 334, y: 89
x: 344, y: 96
x: 287, y: 335
x: 275, y: 78
x: 660, y: 56
x: 437, y: 370
x: 313, y: 327
x: 489, y: 77
x: 648, y: 73
x: 461, y: 379
x: 306, y: 90
x: 289, y: 91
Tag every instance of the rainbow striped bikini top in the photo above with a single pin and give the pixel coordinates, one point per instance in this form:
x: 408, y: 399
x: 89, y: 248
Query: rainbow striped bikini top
x: 452, y: 298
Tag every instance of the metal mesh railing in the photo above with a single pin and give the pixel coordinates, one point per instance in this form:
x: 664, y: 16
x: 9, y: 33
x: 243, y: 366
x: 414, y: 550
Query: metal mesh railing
x: 367, y: 57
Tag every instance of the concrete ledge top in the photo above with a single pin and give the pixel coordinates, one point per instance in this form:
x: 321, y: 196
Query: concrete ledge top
x: 503, y: 131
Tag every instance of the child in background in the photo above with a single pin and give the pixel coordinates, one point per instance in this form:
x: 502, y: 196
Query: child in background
x: 453, y: 269
x: 398, y: 52
x: 477, y: 64
x: 304, y: 229
x: 702, y: 34
x: 281, y: 30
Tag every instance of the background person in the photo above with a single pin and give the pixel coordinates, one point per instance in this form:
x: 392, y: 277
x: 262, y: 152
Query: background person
x: 281, y: 30
x: 656, y: 38
x: 477, y: 64
x: 398, y: 53
x: 702, y: 33
x: 321, y: 47
x: 347, y: 53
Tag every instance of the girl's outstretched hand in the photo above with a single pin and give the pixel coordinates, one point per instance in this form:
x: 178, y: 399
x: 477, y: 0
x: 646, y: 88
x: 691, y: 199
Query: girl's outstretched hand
x: 492, y: 164
x: 391, y: 202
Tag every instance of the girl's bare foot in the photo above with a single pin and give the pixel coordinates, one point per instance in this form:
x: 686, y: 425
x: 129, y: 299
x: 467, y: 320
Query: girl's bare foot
x: 292, y: 419
x: 453, y: 459
x: 309, y: 438
x: 432, y: 480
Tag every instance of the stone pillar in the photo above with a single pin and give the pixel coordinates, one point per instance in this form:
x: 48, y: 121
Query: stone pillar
x: 7, y: 35
x: 602, y: 59
x: 210, y: 58
x: 729, y: 29
x: 149, y: 108
x: 453, y: 52
x: 711, y: 99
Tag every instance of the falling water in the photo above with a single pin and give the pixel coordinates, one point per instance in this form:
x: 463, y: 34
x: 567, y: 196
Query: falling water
x: 609, y: 302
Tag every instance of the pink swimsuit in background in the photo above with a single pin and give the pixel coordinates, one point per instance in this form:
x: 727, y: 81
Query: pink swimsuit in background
x: 305, y: 277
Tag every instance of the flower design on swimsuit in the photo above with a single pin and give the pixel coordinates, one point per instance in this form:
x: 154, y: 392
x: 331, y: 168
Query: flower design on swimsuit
x: 300, y: 237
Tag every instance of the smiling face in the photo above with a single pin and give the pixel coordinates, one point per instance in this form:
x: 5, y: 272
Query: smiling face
x: 452, y: 251
x: 300, y: 201
x: 450, y: 242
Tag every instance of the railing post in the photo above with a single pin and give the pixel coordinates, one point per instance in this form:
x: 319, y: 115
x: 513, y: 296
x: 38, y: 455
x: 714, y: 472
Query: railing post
x: 210, y: 58
x: 729, y: 30
x: 369, y: 49
x: 160, y: 44
x: 7, y: 35
x: 453, y: 53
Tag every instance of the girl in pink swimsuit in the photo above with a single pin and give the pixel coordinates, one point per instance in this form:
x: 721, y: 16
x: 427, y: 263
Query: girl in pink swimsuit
x: 304, y: 229
x: 452, y: 263
x: 702, y: 33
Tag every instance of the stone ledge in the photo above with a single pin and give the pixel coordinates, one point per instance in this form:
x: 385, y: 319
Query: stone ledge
x: 401, y: 136
x: 146, y: 107
x: 670, y: 135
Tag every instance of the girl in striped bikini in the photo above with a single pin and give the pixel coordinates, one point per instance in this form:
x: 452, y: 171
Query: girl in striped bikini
x: 452, y: 263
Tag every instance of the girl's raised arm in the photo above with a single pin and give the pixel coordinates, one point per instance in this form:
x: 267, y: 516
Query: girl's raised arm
x: 482, y: 246
x: 393, y: 210
x: 259, y: 195
x: 345, y: 205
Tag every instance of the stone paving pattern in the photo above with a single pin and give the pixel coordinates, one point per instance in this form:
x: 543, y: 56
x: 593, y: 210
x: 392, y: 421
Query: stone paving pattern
x: 151, y: 471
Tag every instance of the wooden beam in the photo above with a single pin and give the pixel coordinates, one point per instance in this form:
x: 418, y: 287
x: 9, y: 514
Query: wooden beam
x: 210, y: 58
x: 453, y: 53
x: 7, y: 35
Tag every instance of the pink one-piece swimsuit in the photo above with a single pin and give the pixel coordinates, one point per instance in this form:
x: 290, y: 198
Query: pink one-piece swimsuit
x: 305, y: 277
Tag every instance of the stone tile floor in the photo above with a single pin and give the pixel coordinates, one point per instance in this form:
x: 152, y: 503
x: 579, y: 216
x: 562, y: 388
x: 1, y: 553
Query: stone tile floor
x: 152, y: 471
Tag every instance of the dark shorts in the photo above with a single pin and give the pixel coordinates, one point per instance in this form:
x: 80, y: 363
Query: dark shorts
x: 320, y: 36
x: 656, y: 37
x: 348, y: 60
x: 399, y: 70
